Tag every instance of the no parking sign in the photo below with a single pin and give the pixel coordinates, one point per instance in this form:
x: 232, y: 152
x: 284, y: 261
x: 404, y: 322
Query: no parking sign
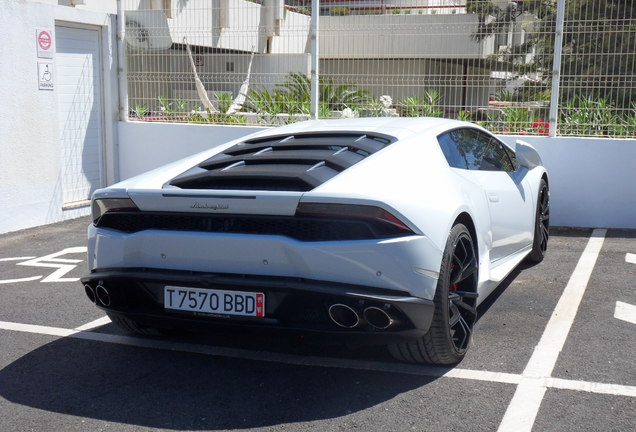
x: 44, y: 43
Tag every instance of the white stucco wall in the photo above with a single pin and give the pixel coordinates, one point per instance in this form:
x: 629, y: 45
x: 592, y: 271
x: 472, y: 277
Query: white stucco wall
x: 31, y: 165
x: 145, y: 146
x: 29, y: 145
x: 592, y: 181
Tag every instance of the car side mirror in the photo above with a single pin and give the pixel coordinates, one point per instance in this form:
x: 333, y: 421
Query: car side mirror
x: 526, y: 155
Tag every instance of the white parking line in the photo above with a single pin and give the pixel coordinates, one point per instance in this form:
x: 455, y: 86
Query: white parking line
x: 16, y: 258
x: 592, y: 387
x: 630, y: 258
x: 91, y: 325
x: 356, y: 364
x: 523, y: 408
x: 625, y: 312
x: 26, y: 279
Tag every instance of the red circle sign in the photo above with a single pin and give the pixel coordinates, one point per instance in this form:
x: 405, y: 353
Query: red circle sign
x: 44, y: 40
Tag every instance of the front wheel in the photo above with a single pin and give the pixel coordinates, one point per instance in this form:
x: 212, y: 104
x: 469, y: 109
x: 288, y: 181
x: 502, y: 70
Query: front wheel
x: 455, y: 307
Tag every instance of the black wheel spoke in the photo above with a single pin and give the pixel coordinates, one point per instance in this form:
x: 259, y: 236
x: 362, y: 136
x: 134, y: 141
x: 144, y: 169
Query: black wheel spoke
x: 467, y: 294
x: 457, y: 300
x: 468, y: 269
x: 454, y: 315
x: 465, y: 306
x: 464, y: 261
x: 461, y: 333
x: 544, y: 238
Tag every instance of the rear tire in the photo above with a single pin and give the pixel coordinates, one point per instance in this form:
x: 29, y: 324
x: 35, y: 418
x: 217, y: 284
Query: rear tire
x: 541, y: 225
x: 455, y: 307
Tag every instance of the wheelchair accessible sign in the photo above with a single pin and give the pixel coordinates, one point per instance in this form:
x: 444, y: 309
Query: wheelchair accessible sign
x: 44, y: 43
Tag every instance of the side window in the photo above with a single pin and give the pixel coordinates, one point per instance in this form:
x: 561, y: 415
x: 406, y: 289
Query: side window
x: 451, y: 150
x: 462, y: 148
x: 496, y: 156
x: 511, y: 155
x: 472, y: 149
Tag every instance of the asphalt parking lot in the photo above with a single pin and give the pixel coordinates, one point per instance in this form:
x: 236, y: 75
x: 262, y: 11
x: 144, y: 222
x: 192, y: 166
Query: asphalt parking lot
x: 554, y: 350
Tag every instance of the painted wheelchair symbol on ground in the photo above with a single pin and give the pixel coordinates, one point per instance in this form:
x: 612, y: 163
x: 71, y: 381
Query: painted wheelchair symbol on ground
x: 62, y: 265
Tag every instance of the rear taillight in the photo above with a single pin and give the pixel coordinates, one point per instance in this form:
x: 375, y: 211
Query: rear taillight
x: 102, y: 206
x: 379, y: 218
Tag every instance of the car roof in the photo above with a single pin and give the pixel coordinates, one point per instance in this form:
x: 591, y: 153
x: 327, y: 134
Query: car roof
x: 302, y: 156
x: 399, y: 127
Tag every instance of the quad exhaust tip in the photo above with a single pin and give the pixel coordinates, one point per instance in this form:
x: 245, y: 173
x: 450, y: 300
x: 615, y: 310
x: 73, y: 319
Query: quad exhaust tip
x: 90, y: 293
x: 347, y: 317
x: 103, y: 296
x: 344, y: 315
x: 378, y: 318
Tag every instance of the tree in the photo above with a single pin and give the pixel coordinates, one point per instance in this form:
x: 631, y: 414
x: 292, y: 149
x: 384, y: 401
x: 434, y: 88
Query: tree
x: 599, y: 47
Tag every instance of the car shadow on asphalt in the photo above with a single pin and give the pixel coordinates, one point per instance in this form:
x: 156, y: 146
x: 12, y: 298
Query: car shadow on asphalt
x: 484, y: 306
x: 178, y: 390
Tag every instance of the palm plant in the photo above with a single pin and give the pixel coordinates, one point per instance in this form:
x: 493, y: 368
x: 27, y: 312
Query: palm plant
x: 425, y: 106
x: 293, y: 96
x: 588, y: 116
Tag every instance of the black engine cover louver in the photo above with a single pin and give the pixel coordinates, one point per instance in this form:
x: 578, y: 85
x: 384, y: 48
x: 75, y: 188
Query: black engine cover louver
x: 298, y: 162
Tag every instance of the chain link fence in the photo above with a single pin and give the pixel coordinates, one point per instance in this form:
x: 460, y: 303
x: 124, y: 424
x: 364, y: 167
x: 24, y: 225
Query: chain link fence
x: 491, y: 62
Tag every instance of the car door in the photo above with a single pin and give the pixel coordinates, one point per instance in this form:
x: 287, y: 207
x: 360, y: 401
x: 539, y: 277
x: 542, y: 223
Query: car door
x: 488, y: 162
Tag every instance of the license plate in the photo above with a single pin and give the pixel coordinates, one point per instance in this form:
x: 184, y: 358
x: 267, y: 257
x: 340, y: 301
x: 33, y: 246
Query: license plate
x: 214, y: 301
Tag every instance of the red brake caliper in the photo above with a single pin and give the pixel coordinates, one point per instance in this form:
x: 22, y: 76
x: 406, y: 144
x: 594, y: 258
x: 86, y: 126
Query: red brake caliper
x: 453, y: 287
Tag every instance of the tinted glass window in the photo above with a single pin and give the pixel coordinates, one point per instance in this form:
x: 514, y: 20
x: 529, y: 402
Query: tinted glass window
x: 474, y: 150
x: 450, y: 149
x: 511, y: 156
x: 495, y: 155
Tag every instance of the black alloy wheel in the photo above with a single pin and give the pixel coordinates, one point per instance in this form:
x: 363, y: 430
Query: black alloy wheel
x: 542, y: 225
x: 455, y: 300
x: 462, y: 312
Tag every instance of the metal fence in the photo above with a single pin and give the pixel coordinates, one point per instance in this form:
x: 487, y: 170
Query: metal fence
x: 534, y: 67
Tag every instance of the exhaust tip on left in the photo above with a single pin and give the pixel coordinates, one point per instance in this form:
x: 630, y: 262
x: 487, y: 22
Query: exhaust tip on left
x: 90, y: 293
x: 343, y: 315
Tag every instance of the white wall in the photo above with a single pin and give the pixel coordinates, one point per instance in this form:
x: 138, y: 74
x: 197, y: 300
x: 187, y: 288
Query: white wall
x: 145, y: 145
x: 31, y: 165
x: 592, y: 181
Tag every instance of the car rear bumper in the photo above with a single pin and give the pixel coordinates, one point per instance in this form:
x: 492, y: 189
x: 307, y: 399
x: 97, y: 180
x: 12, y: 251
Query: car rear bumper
x: 294, y: 304
x: 406, y: 264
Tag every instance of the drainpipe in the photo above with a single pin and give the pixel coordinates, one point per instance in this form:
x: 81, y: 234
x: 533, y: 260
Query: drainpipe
x: 556, y: 68
x: 121, y: 63
x: 315, y: 58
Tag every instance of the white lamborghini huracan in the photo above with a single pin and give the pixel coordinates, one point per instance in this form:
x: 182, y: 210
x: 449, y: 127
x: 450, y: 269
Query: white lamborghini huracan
x: 385, y: 230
